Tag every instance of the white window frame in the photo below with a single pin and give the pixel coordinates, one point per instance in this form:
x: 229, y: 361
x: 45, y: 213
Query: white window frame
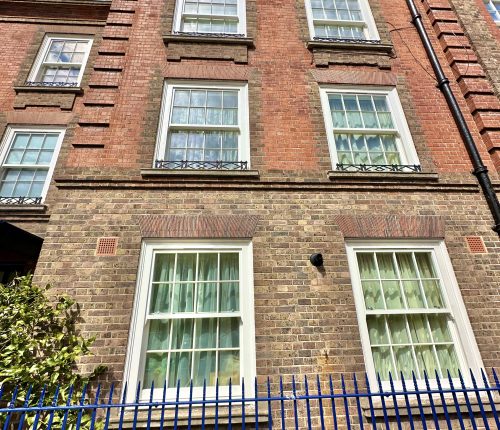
x: 370, y: 28
x: 404, y: 141
x: 242, y: 17
x: 496, y: 18
x: 35, y: 72
x: 134, y: 367
x: 243, y: 116
x: 8, y: 140
x: 461, y: 331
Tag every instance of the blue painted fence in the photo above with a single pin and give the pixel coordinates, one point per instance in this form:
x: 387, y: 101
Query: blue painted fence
x: 279, y: 403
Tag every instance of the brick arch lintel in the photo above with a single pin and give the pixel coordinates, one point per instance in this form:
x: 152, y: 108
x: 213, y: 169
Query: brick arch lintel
x: 198, y: 226
x: 391, y: 226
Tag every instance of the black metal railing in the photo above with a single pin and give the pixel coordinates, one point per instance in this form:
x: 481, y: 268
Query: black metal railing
x: 414, y: 168
x: 51, y: 84
x: 345, y: 40
x: 20, y: 200
x: 200, y: 34
x: 198, y: 164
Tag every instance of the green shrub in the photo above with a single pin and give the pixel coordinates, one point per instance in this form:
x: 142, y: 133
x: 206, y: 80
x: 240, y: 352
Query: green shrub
x: 40, y: 346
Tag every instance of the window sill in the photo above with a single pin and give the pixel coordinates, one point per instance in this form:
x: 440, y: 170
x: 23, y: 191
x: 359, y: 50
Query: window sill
x: 390, y: 409
x: 47, y: 89
x: 23, y: 208
x: 204, y: 38
x: 207, y: 46
x: 346, y: 45
x: 199, y: 173
x: 183, y: 419
x: 377, y: 177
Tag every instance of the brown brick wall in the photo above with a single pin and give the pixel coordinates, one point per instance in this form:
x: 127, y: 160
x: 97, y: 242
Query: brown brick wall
x: 305, y: 319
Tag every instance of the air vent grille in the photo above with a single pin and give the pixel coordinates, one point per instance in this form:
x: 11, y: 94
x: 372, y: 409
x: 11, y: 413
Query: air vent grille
x: 106, y: 246
x: 476, y: 245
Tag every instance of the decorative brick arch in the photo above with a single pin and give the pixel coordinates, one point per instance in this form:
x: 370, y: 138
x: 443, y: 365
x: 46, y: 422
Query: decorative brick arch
x: 198, y: 226
x: 391, y: 227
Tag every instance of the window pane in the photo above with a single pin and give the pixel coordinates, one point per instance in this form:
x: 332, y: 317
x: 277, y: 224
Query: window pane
x: 386, y: 266
x: 229, y: 266
x: 229, y: 333
x: 404, y: 362
x: 179, y: 115
x: 181, y: 98
x: 383, y: 362
x: 204, y: 368
x: 229, y: 297
x: 207, y: 267
x: 372, y: 294
x: 366, y: 263
x: 230, y: 99
x: 392, y: 295
x: 229, y: 367
x: 15, y: 156
x: 425, y: 265
x: 377, y: 330
x: 439, y: 328
x: 207, y: 297
x: 427, y: 361
x: 448, y: 360
x: 155, y: 370
x: 159, y: 335
x: 198, y: 98
x: 160, y: 298
x: 182, y: 334
x: 186, y: 265
x: 418, y: 329
x: 206, y: 333
x: 164, y: 268
x: 433, y: 294
x: 183, y: 300
x: 214, y: 99
x: 399, y: 334
x: 413, y: 294
x: 180, y: 369
x: 178, y: 139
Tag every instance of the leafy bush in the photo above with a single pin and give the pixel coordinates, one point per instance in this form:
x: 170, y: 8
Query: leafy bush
x: 40, y: 346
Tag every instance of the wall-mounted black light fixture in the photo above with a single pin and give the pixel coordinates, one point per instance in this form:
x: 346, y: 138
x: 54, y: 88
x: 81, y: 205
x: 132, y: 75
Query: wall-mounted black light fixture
x: 316, y: 260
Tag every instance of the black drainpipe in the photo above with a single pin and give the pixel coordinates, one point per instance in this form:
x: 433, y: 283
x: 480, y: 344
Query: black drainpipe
x: 480, y: 171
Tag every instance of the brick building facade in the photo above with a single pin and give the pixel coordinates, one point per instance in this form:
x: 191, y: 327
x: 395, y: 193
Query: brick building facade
x: 182, y: 169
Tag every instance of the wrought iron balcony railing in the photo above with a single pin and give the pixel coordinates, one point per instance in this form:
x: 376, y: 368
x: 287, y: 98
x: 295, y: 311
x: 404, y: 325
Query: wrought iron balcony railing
x: 414, y: 168
x: 198, y: 164
x: 345, y: 40
x: 218, y: 35
x: 51, y: 84
x: 20, y: 200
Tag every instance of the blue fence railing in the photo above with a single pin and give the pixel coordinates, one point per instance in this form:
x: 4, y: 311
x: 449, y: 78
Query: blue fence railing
x: 280, y: 403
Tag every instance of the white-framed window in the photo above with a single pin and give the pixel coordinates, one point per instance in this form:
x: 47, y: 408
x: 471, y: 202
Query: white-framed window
x: 61, y: 60
x: 410, y: 311
x: 210, y: 16
x: 493, y: 7
x: 27, y: 160
x: 367, y: 126
x: 341, y: 19
x: 193, y: 317
x: 205, y: 124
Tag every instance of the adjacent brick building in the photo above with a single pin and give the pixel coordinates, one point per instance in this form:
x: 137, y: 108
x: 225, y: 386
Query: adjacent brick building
x: 181, y: 161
